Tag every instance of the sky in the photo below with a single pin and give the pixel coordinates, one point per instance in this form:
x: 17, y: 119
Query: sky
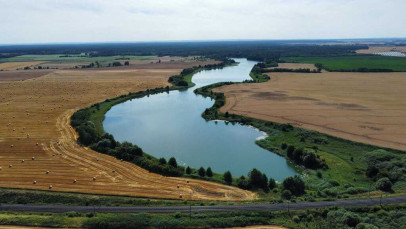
x: 59, y: 21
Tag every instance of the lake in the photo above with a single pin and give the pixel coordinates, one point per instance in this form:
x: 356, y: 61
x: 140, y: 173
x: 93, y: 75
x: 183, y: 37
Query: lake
x: 170, y: 125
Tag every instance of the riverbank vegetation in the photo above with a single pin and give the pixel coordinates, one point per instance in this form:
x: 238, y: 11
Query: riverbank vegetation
x: 388, y: 216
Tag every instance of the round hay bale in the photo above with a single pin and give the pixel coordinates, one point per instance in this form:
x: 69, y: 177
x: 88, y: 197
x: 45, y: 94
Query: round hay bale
x: 50, y: 186
x: 178, y: 186
x: 35, y: 182
x: 74, y: 180
x: 47, y: 172
x: 33, y: 158
x: 94, y: 178
x: 10, y: 165
x: 187, y: 181
x: 22, y: 161
x: 180, y: 196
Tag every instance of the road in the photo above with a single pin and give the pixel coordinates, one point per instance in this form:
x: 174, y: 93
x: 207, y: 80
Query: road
x: 214, y: 208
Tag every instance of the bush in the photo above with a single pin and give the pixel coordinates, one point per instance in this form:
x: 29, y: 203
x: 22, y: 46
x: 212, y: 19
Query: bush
x: 296, y: 219
x: 284, y: 146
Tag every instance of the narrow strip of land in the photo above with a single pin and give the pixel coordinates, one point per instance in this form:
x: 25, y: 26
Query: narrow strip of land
x: 214, y: 208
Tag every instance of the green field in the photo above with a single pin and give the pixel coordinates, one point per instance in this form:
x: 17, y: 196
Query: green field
x: 350, y: 63
x: 72, y: 58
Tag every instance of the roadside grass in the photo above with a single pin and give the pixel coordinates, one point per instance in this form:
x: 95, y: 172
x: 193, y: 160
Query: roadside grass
x: 388, y: 216
x: 39, y: 197
x: 73, y: 58
x: 350, y: 63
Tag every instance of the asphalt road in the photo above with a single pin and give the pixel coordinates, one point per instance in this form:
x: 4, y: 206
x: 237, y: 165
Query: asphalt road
x: 214, y: 208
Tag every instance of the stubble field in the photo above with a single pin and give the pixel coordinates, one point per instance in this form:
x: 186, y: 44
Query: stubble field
x: 38, y: 148
x: 363, y: 107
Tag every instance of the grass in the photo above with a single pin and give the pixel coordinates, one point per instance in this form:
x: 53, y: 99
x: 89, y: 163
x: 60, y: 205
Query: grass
x: 350, y: 63
x: 388, y: 216
x: 259, y: 77
x: 73, y: 58
x: 37, y: 197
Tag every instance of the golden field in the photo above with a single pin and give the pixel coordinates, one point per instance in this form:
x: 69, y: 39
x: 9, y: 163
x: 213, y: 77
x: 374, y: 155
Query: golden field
x: 38, y: 148
x: 363, y: 107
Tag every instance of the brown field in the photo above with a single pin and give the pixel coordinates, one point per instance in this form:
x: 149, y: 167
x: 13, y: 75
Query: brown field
x: 374, y: 49
x: 18, y: 65
x: 35, y: 122
x: 363, y: 107
x: 295, y: 66
x: 22, y: 74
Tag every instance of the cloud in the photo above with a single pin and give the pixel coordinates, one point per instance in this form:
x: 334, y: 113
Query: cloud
x: 27, y: 21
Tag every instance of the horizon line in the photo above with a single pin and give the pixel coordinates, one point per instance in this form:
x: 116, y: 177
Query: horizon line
x: 208, y: 40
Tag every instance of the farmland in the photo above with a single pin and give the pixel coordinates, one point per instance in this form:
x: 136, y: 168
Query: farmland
x: 71, y: 58
x: 353, y: 106
x: 354, y: 63
x: 39, y: 149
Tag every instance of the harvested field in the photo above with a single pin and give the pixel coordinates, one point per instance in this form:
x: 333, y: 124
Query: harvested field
x: 375, y: 49
x: 363, y: 107
x: 39, y: 149
x: 22, y: 74
x: 18, y: 65
x: 295, y: 66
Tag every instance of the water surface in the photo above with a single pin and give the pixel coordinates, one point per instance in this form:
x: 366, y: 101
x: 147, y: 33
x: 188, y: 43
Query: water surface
x: 170, y: 125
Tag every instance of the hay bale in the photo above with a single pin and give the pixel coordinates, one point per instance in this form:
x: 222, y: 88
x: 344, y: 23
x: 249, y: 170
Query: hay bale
x: 35, y: 182
x: 178, y: 186
x: 47, y: 172
x: 22, y: 161
x: 50, y: 186
x: 33, y: 158
x: 74, y: 181
x: 94, y: 178
x: 180, y: 196
x: 10, y: 165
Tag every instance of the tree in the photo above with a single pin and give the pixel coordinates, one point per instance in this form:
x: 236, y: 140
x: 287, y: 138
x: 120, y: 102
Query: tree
x: 172, y: 162
x: 126, y: 63
x: 295, y: 185
x: 384, y: 185
x: 209, y: 173
x: 258, y: 180
x: 162, y: 161
x: 202, y: 172
x: 286, y: 195
x: 188, y: 170
x: 272, y: 183
x: 228, y: 178
x: 290, y: 150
